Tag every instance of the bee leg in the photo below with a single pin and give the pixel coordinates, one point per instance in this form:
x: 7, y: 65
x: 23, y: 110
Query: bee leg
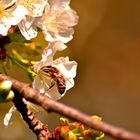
x: 52, y: 84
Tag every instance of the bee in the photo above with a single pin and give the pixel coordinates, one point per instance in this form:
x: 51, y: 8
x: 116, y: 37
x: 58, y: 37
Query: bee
x: 57, y: 78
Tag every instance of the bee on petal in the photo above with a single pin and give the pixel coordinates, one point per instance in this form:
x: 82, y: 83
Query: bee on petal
x: 54, y: 77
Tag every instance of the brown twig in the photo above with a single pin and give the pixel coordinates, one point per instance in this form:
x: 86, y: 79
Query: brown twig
x: 40, y: 129
x: 32, y: 95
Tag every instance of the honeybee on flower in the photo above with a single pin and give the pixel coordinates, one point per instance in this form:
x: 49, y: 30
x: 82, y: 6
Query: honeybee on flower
x: 54, y: 77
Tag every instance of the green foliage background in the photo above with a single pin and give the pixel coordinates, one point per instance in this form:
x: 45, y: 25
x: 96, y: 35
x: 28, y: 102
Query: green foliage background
x: 106, y: 45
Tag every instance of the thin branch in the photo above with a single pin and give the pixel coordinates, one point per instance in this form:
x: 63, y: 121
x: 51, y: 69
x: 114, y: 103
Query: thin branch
x: 32, y: 95
x: 39, y: 129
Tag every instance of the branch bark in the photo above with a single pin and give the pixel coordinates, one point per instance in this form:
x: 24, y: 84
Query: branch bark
x: 40, y: 130
x: 34, y: 96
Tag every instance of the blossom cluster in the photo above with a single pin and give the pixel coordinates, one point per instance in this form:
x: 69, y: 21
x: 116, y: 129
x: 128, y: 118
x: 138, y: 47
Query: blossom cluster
x: 55, y: 19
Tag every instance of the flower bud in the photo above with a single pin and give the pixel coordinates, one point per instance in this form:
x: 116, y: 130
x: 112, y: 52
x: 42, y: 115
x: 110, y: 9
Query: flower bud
x: 6, y: 94
x: 5, y: 87
x: 72, y: 136
x: 10, y: 96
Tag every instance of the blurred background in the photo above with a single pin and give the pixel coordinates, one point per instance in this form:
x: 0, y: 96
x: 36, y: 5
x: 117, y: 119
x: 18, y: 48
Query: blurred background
x: 106, y: 46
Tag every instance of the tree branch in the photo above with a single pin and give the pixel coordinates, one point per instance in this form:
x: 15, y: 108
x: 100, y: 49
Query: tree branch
x: 40, y: 129
x: 34, y: 96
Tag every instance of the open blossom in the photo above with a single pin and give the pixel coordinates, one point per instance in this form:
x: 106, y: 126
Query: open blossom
x: 54, y: 77
x: 35, y: 9
x: 10, y: 14
x: 58, y: 20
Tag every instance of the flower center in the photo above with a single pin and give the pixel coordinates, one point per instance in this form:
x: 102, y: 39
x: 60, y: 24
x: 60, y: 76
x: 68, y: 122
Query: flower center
x: 52, y: 25
x: 1, y: 11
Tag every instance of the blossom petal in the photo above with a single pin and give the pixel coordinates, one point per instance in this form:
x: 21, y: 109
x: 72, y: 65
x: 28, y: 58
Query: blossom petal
x: 26, y: 27
x: 38, y: 84
x: 68, y: 17
x: 50, y: 51
x: 17, y: 15
x: 58, y: 5
x: 36, y: 9
x: 67, y: 68
x: 69, y: 84
x: 51, y: 36
x: 4, y: 28
x: 8, y: 116
x: 7, y: 3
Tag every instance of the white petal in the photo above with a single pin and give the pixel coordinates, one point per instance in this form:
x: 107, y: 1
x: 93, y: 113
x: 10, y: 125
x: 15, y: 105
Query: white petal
x: 4, y: 28
x: 58, y: 5
x: 69, y: 84
x: 26, y: 27
x: 17, y: 15
x: 68, y: 17
x: 50, y: 51
x: 64, y: 39
x: 7, y: 3
x: 48, y: 36
x: 51, y: 36
x: 66, y: 67
x: 36, y: 9
x: 37, y: 84
x: 8, y: 116
x: 54, y: 93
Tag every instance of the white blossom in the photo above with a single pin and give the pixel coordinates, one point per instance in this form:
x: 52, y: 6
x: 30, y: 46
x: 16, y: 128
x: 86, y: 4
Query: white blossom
x: 10, y: 14
x: 67, y: 69
x: 58, y: 20
x: 35, y: 9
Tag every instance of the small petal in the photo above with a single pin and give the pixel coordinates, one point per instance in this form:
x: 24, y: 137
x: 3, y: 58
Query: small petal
x: 38, y: 84
x: 69, y: 17
x: 8, y: 116
x: 68, y: 68
x: 17, y: 15
x: 50, y: 51
x: 4, y: 29
x: 69, y: 84
x: 58, y: 5
x: 51, y: 36
x: 26, y: 27
x: 7, y: 3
